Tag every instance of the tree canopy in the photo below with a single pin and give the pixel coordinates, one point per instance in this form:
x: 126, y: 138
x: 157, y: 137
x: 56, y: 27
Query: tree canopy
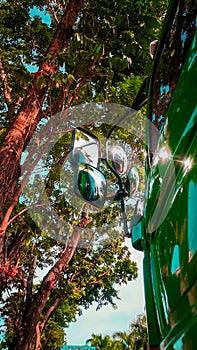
x: 55, y: 55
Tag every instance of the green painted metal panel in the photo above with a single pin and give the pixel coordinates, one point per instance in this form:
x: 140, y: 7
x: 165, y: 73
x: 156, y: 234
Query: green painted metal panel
x: 169, y: 226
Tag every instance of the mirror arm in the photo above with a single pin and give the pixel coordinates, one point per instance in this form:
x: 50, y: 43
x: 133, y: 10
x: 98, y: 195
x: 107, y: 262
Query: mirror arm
x: 142, y: 96
x: 85, y: 131
x: 116, y: 126
x: 139, y: 101
x: 126, y: 230
x: 114, y: 172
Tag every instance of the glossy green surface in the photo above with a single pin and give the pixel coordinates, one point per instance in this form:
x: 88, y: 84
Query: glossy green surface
x: 169, y: 227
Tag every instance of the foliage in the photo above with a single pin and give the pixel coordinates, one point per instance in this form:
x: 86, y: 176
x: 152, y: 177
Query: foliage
x: 69, y: 53
x: 92, y: 276
x: 114, y: 39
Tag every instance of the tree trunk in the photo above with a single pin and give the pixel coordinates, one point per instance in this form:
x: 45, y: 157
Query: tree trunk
x: 23, y: 340
x: 40, y: 327
x: 29, y: 115
x: 26, y: 120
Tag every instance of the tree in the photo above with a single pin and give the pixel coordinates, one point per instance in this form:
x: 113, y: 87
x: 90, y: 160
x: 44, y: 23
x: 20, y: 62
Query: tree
x: 86, y: 52
x: 107, y: 59
x: 90, y: 277
x: 134, y: 339
x: 103, y: 342
x: 126, y: 339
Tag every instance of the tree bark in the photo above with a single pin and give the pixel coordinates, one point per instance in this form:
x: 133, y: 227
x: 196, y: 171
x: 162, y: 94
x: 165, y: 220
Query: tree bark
x: 40, y: 327
x: 38, y: 338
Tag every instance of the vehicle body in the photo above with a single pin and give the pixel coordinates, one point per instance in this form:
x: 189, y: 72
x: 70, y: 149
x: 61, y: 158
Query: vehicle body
x: 167, y: 232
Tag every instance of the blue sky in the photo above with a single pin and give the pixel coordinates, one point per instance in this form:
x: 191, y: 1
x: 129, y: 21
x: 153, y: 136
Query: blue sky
x: 107, y: 320
x: 36, y: 12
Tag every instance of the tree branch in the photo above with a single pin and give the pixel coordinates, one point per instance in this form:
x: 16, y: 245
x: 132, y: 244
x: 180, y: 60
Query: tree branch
x: 55, y: 305
x: 51, y: 10
x: 38, y: 337
x: 49, y: 312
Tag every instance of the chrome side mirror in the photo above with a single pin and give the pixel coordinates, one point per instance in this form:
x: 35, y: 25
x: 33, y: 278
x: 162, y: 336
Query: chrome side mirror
x: 132, y: 182
x: 117, y: 156
x: 85, y: 148
x: 91, y: 185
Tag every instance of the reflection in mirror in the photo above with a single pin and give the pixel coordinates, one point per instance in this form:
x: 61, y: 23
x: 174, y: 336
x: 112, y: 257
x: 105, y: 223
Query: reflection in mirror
x: 91, y: 185
x: 132, y: 182
x: 117, y: 155
x: 85, y: 148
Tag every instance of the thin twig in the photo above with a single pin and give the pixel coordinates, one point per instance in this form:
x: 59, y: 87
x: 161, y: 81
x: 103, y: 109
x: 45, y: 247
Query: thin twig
x: 53, y: 13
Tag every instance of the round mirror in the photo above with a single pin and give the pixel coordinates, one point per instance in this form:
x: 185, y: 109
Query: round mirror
x: 118, y: 157
x: 91, y: 185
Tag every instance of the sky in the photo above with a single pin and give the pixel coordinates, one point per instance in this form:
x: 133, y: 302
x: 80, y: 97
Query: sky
x: 107, y: 320
x: 45, y: 17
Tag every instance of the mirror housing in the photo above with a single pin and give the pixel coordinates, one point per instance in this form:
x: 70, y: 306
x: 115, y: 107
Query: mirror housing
x: 136, y: 237
x: 136, y: 227
x: 85, y: 148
